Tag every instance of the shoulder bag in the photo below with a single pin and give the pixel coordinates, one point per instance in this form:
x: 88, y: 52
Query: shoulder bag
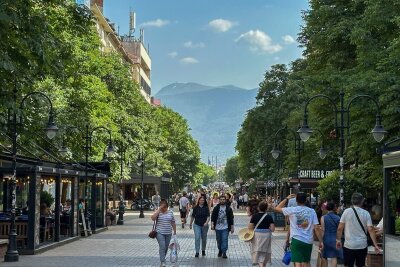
x: 247, y: 234
x: 153, y: 232
x: 369, y: 240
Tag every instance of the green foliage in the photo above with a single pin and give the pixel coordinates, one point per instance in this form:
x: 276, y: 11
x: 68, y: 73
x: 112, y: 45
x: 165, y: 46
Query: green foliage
x: 204, y: 176
x: 349, y: 46
x: 46, y: 197
x: 231, y: 170
x: 53, y: 47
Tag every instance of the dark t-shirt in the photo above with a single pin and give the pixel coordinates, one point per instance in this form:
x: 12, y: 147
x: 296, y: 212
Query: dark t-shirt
x: 200, y: 215
x: 266, y: 222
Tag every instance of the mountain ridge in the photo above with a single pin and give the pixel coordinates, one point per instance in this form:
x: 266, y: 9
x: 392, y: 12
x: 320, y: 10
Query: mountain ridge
x: 214, y: 114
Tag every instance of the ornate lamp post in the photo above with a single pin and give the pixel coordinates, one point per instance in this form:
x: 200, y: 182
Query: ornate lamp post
x: 378, y: 132
x: 298, y: 148
x: 88, y: 146
x: 51, y: 131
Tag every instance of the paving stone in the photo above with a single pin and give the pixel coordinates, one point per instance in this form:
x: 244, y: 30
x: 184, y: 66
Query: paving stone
x: 129, y: 245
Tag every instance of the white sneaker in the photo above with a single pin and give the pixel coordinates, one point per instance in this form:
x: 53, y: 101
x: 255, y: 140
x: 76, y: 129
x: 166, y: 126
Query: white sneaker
x: 163, y: 264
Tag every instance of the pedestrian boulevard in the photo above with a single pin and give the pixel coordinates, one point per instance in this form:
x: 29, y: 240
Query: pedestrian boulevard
x: 129, y: 245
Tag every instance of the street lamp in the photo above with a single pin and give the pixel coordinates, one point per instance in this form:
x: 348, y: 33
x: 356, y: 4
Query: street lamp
x: 298, y: 148
x: 51, y: 130
x: 88, y: 146
x: 141, y: 163
x: 378, y: 132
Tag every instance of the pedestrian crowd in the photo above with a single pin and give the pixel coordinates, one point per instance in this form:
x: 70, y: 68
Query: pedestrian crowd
x: 342, y: 237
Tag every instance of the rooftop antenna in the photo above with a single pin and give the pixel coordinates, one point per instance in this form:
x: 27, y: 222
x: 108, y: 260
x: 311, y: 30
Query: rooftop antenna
x: 132, y: 23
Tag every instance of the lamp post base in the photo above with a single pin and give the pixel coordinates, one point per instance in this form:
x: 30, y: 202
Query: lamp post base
x: 141, y: 215
x: 12, y: 252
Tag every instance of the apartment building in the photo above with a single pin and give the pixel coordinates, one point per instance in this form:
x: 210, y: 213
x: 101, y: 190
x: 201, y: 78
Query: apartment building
x: 131, y: 49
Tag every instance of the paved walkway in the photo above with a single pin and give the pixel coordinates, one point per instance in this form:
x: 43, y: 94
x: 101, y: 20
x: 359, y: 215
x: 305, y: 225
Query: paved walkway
x: 128, y: 245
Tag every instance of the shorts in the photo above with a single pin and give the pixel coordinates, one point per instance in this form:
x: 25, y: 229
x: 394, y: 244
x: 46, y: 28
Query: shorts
x: 183, y: 214
x: 301, y: 252
x: 356, y: 256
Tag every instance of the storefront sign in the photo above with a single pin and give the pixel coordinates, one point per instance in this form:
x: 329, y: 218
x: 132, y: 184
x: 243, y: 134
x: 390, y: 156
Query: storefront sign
x: 314, y: 174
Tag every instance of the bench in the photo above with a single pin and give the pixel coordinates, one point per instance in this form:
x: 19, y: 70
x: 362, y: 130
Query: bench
x: 20, y: 227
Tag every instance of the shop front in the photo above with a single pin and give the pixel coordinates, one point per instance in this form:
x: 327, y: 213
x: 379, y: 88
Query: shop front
x: 131, y: 189
x: 47, y: 197
x: 391, y: 192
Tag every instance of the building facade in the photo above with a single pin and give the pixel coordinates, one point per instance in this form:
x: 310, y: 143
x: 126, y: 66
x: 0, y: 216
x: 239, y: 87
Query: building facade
x: 132, y: 50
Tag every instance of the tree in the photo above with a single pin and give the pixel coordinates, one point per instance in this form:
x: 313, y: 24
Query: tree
x: 231, y: 170
x: 53, y: 47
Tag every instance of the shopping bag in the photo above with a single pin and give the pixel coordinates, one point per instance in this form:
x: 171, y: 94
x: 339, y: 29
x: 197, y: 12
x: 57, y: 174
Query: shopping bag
x: 287, y: 256
x: 174, y: 248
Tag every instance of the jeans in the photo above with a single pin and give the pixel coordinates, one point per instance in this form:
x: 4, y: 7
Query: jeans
x: 200, y: 232
x: 222, y: 240
x: 163, y: 243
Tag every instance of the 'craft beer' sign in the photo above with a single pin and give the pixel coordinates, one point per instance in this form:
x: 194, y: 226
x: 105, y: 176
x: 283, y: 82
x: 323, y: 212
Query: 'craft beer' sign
x: 314, y: 174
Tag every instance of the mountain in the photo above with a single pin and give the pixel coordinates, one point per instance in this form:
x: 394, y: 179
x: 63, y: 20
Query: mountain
x: 214, y: 114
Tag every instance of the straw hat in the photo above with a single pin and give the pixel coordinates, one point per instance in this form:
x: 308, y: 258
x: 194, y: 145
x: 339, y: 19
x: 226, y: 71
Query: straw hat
x: 246, y: 234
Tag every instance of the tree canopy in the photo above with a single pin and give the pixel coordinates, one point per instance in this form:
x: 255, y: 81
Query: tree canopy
x: 53, y: 47
x: 349, y: 46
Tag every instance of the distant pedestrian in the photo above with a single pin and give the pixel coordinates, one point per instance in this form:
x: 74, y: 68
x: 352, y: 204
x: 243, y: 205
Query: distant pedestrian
x: 234, y: 202
x: 184, y: 208
x: 215, y: 200
x: 261, y: 242
x: 222, y: 221
x: 201, y: 218
x: 156, y: 200
x: 356, y: 222
x: 303, y: 222
x: 228, y: 200
x: 165, y: 225
x: 329, y: 225
x: 245, y: 199
x: 240, y: 202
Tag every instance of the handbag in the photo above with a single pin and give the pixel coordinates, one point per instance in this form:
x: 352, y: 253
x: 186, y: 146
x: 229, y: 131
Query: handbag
x: 247, y: 234
x: 369, y: 240
x: 287, y: 256
x: 153, y: 232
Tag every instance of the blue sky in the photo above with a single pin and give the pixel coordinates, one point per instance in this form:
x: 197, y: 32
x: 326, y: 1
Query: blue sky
x: 213, y: 42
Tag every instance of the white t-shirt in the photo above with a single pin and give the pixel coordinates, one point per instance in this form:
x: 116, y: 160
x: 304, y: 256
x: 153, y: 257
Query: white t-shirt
x: 183, y: 202
x: 245, y: 198
x: 292, y: 202
x: 355, y: 237
x: 302, y: 222
x: 222, y: 220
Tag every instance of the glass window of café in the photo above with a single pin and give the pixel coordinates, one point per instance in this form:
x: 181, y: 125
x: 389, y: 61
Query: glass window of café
x: 66, y: 200
x: 47, y: 209
x: 21, y: 209
x: 392, y: 226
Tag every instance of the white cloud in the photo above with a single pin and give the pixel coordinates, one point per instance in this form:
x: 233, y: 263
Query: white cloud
x: 155, y: 23
x: 221, y: 25
x: 190, y: 44
x: 189, y: 60
x: 173, y: 54
x: 259, y: 42
x: 288, y: 39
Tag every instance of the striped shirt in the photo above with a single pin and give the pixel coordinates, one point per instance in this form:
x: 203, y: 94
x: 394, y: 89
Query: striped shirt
x: 164, y: 222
